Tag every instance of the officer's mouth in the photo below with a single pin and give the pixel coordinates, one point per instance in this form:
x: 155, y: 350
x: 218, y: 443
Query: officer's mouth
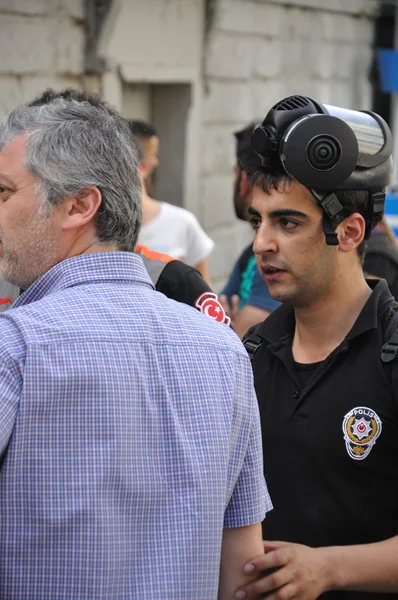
x: 271, y: 273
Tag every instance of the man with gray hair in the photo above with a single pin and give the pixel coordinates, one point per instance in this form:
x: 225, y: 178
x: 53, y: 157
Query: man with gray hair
x: 169, y: 275
x: 129, y: 432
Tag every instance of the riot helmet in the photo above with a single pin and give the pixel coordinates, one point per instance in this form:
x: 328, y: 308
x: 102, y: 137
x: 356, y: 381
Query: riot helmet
x: 327, y: 148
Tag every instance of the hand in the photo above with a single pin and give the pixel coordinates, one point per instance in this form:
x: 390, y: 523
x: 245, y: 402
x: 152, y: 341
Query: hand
x: 300, y: 573
x: 232, y: 309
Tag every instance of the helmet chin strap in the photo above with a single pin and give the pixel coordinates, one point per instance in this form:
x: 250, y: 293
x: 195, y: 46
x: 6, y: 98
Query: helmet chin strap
x: 330, y: 234
x: 331, y: 207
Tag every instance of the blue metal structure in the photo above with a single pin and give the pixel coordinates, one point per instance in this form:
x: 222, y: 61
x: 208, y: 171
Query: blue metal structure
x: 392, y: 212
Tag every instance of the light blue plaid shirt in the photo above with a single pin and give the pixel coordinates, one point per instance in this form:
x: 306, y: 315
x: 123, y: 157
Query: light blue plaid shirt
x: 129, y: 437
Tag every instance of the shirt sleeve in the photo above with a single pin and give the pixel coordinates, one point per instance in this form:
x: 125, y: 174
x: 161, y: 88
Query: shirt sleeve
x: 182, y: 283
x: 199, y: 244
x: 248, y: 500
x: 259, y: 295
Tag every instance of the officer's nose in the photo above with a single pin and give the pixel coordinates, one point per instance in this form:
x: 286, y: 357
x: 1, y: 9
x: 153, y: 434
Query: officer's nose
x: 264, y: 241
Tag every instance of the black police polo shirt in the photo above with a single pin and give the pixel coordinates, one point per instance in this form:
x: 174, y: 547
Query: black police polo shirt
x: 330, y: 449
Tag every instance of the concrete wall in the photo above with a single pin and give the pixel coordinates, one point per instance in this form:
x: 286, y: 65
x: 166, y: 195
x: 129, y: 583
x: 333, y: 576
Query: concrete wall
x: 154, y: 40
x: 41, y: 45
x: 154, y: 52
x: 257, y: 53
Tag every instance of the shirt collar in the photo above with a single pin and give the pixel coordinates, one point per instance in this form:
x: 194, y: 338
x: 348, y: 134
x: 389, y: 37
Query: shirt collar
x: 98, y: 267
x: 279, y: 326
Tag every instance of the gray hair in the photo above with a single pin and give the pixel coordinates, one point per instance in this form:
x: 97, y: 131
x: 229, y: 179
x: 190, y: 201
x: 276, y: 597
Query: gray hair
x: 72, y: 145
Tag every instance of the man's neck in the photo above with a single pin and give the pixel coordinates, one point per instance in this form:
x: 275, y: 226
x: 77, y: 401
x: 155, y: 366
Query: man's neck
x: 84, y: 241
x: 322, y: 326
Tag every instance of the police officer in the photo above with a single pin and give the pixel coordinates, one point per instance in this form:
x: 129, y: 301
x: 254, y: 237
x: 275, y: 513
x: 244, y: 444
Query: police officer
x: 245, y: 296
x: 327, y: 400
x: 178, y: 281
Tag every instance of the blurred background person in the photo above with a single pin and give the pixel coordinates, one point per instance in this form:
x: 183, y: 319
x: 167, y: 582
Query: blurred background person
x: 165, y: 227
x: 381, y: 258
x: 245, y: 296
x: 149, y: 140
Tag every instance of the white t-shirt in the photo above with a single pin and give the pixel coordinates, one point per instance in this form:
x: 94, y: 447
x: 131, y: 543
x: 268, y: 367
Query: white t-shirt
x: 176, y: 231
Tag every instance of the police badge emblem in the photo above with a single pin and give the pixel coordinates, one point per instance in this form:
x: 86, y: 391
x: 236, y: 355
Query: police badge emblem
x: 361, y: 428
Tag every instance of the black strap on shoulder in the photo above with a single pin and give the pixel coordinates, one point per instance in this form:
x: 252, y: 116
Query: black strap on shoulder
x: 252, y: 344
x: 253, y: 340
x: 389, y: 350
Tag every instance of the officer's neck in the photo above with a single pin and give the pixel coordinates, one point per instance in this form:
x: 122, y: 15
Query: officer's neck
x: 322, y: 325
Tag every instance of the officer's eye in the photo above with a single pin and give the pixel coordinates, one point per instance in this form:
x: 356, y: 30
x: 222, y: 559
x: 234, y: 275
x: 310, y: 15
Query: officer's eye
x: 255, y: 223
x: 288, y: 224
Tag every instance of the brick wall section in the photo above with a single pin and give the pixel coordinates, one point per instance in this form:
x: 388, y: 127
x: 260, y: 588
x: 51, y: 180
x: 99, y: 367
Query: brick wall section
x: 41, y: 45
x: 257, y: 53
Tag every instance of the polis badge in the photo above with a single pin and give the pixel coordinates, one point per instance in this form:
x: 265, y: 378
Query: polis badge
x: 361, y: 428
x: 209, y: 304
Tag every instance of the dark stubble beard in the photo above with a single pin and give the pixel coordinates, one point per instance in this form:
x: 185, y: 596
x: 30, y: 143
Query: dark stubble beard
x: 311, y: 284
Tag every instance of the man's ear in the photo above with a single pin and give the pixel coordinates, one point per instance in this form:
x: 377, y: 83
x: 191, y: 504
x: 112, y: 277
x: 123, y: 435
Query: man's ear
x: 80, y: 210
x: 351, y: 232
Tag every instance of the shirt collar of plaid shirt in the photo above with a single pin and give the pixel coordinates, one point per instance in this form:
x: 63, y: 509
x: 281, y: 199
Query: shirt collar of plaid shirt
x: 95, y: 267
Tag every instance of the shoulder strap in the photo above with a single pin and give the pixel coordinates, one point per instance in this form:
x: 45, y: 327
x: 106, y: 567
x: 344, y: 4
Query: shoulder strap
x: 389, y: 350
x: 253, y: 340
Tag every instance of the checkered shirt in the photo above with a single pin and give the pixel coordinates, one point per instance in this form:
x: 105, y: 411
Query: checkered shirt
x: 129, y: 437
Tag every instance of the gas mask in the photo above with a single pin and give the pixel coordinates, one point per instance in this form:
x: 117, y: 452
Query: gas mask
x: 327, y: 148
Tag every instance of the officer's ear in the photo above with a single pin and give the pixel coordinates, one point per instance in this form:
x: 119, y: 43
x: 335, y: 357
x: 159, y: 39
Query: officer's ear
x: 351, y: 232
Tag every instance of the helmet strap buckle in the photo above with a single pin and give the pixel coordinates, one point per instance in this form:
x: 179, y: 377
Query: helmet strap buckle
x: 331, y: 207
x: 330, y: 203
x: 377, y: 203
x: 330, y: 234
